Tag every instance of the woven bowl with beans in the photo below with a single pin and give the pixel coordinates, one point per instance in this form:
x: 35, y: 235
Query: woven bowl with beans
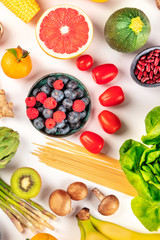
x: 145, y: 68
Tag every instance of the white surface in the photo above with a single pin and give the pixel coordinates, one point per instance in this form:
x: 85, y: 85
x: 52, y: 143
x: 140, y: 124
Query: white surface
x: 139, y: 101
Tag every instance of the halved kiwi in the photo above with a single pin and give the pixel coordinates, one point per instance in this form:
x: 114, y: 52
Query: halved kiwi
x: 25, y: 183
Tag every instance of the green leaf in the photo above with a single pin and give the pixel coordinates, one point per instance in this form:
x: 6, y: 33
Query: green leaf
x: 152, y: 124
x: 13, y: 51
x: 148, y: 212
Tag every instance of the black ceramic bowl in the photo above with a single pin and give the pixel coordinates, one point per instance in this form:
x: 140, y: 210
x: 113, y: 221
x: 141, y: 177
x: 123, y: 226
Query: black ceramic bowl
x: 42, y: 81
x: 153, y: 75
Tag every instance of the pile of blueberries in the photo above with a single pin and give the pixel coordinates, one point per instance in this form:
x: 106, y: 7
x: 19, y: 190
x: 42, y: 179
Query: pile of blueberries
x: 72, y: 90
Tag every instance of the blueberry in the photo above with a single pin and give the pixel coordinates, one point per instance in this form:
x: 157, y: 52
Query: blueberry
x: 85, y: 100
x: 46, y: 89
x: 47, y: 113
x: 61, y: 125
x: 38, y: 104
x: 62, y: 108
x: 82, y: 114
x: 40, y: 109
x: 38, y: 123
x: 64, y: 130
x: 64, y: 78
x: 36, y: 91
x: 76, y: 125
x: 67, y: 103
x: 80, y: 93
x: 72, y: 84
x: 73, y: 117
x: 57, y: 95
x: 50, y: 81
x: 69, y: 93
x: 51, y: 131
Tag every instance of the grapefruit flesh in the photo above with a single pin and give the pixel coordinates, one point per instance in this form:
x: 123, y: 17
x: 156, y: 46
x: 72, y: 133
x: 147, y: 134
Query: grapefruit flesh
x: 64, y: 31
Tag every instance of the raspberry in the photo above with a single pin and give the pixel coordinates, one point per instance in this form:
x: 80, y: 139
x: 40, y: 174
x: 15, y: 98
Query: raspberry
x: 50, y: 123
x: 50, y: 103
x: 58, y: 84
x: 59, y: 116
x: 30, y: 101
x: 41, y: 97
x: 32, y: 113
x: 78, y: 106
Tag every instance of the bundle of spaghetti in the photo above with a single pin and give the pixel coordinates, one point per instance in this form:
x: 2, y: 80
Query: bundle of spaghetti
x: 75, y: 159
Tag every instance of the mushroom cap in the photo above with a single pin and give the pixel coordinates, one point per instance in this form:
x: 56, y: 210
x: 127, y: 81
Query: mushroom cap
x: 77, y: 191
x: 60, y: 202
x: 109, y: 205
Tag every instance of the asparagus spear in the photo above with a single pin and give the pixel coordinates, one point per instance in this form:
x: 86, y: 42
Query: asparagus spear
x: 22, y: 220
x: 22, y: 210
x: 15, y: 221
x: 25, y: 207
x: 34, y: 204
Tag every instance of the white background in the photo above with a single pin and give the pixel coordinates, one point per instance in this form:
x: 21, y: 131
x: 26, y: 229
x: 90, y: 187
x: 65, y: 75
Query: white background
x: 139, y: 101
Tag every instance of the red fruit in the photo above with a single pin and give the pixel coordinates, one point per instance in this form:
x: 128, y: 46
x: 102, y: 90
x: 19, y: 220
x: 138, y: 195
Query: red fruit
x: 112, y: 96
x: 78, y: 106
x: 41, y: 97
x: 58, y: 84
x: 109, y: 121
x: 59, y: 116
x: 92, y: 141
x: 50, y: 103
x: 84, y: 62
x: 32, y: 113
x: 50, y: 123
x: 30, y: 101
x: 104, y: 73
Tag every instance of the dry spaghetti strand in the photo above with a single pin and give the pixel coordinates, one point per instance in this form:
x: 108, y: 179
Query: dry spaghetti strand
x: 74, y: 159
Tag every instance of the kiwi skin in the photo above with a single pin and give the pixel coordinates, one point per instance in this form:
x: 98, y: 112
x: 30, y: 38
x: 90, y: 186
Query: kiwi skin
x: 26, y: 183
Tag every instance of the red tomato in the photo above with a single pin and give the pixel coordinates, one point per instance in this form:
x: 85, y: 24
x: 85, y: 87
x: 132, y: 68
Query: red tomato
x: 112, y: 96
x: 84, y: 62
x: 92, y: 141
x: 104, y: 73
x: 109, y: 121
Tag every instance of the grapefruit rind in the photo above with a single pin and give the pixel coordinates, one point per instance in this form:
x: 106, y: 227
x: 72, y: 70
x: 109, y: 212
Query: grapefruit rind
x: 50, y: 52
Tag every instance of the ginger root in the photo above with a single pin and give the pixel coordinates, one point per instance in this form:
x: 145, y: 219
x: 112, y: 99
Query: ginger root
x: 158, y: 3
x: 5, y: 107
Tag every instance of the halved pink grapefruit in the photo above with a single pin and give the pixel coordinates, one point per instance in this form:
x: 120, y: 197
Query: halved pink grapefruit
x: 64, y: 31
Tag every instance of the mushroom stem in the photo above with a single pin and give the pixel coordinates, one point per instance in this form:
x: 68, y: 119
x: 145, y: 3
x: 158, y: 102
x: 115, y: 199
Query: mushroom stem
x: 98, y: 194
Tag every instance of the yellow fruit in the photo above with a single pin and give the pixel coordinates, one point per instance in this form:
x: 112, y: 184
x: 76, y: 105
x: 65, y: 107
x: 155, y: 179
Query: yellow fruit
x: 116, y: 232
x: 15, y: 64
x: 99, y: 0
x: 43, y: 236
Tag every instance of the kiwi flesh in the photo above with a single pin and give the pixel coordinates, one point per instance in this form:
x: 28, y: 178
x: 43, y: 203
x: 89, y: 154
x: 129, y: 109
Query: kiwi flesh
x: 25, y: 183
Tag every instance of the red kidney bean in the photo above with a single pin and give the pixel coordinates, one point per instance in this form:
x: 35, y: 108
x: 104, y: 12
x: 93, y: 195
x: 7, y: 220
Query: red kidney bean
x: 156, y: 61
x: 147, y: 69
x: 139, y: 76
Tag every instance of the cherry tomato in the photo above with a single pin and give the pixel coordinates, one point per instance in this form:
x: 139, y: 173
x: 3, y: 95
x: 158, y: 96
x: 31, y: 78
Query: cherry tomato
x: 109, y: 121
x: 112, y: 96
x: 84, y: 62
x: 92, y: 141
x: 104, y: 73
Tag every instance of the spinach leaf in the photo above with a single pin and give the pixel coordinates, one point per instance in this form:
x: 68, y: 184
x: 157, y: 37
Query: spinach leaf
x: 152, y: 124
x: 148, y: 212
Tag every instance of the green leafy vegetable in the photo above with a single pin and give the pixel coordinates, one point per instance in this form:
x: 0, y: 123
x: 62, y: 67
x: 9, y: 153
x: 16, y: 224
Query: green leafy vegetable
x: 148, y: 212
x: 141, y: 164
x: 152, y: 123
